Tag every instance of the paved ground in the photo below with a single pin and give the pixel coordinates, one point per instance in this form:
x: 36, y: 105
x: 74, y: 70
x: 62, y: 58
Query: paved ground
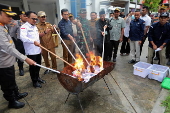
x: 130, y: 93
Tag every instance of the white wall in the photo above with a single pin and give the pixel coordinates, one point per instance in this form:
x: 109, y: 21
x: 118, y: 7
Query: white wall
x: 62, y: 4
x: 49, y: 8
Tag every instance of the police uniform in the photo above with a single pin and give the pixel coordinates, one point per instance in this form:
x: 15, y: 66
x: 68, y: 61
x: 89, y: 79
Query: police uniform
x: 47, y: 41
x: 29, y: 34
x: 8, y: 55
x: 14, y: 30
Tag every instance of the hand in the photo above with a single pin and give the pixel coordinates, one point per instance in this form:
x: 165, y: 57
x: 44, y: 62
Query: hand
x: 54, y: 26
x: 37, y: 43
x: 29, y: 61
x: 161, y: 47
x: 140, y: 42
x: 105, y: 27
x: 154, y: 47
x: 71, y: 38
x: 121, y: 39
x: 47, y: 30
x: 79, y: 24
x: 91, y: 39
x: 129, y: 40
x: 103, y: 33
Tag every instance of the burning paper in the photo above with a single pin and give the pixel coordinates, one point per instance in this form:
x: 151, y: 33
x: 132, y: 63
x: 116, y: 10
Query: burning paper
x: 83, y: 70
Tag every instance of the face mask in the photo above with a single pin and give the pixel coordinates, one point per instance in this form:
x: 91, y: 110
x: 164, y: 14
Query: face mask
x: 133, y: 17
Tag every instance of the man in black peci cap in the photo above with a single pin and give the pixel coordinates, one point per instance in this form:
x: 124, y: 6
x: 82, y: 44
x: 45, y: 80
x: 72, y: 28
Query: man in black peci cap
x: 101, y: 24
x: 158, y: 37
x: 8, y: 55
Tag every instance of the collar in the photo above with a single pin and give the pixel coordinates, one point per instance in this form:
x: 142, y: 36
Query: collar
x: 117, y: 18
x: 65, y: 20
x: 1, y: 24
x: 136, y: 19
x: 161, y: 25
x: 41, y: 23
x: 30, y: 25
x: 94, y: 20
x: 144, y: 16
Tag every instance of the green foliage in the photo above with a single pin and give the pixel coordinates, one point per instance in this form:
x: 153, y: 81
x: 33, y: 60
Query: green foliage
x: 152, y: 4
x: 166, y: 103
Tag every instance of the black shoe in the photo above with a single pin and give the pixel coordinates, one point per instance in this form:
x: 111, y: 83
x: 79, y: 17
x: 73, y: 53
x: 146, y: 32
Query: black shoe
x: 168, y: 63
x: 36, y: 84
x: 21, y: 95
x: 132, y: 61
x: 114, y: 59
x: 21, y: 72
x: 46, y: 71
x: 16, y: 104
x: 156, y: 58
x: 41, y: 81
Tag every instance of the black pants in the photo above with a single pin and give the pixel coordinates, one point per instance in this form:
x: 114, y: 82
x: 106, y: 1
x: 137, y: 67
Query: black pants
x: 8, y: 83
x: 34, y: 70
x: 115, y: 45
x: 20, y: 48
x: 100, y: 49
x: 168, y: 50
x: 125, y: 48
x: 143, y: 41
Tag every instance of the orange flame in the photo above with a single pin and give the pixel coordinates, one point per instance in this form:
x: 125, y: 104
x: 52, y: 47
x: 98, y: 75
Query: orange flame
x: 81, y: 66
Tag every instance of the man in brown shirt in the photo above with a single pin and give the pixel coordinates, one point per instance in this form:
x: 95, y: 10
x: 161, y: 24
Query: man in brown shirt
x: 46, y: 40
x: 93, y: 31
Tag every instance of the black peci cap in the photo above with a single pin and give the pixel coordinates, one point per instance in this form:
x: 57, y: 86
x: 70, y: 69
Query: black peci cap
x: 102, y: 12
x: 165, y: 14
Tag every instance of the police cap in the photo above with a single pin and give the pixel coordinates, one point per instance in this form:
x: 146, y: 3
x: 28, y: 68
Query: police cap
x: 7, y: 9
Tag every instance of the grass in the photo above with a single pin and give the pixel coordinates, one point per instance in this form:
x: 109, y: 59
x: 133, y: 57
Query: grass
x: 166, y: 103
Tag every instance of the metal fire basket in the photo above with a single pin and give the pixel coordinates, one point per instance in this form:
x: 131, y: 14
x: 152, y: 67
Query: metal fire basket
x: 73, y: 86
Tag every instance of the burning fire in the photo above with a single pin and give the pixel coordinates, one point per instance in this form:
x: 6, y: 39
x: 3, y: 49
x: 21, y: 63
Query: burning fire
x: 83, y: 69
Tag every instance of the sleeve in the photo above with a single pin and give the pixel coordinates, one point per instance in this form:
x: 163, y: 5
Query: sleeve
x: 13, y: 29
x: 142, y: 29
x: 123, y: 23
x: 168, y: 38
x: 23, y: 35
x: 62, y: 29
x: 98, y: 27
x: 150, y: 34
x: 148, y: 22
x: 109, y: 25
x: 7, y: 47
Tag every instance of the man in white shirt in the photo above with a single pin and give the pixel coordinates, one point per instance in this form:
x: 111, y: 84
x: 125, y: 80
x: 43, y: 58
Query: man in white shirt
x: 29, y: 35
x: 147, y: 20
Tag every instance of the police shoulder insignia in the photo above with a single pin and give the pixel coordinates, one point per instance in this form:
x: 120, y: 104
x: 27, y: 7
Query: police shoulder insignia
x: 6, y: 30
x: 10, y: 41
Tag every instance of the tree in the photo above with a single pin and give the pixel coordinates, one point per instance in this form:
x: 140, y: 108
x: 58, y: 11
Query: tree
x: 152, y: 4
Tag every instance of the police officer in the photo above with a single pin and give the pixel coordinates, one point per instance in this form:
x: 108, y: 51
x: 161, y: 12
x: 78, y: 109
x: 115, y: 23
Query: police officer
x: 30, y: 37
x: 45, y: 31
x: 15, y: 31
x: 8, y: 55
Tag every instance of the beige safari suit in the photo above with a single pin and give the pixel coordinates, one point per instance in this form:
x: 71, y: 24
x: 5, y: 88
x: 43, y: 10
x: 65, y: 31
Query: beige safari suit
x: 47, y: 42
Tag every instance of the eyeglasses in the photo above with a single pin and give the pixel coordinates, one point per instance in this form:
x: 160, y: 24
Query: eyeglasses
x: 43, y: 16
x: 34, y: 19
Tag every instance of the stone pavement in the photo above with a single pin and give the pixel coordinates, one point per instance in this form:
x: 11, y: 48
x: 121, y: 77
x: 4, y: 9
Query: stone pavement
x: 130, y: 93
